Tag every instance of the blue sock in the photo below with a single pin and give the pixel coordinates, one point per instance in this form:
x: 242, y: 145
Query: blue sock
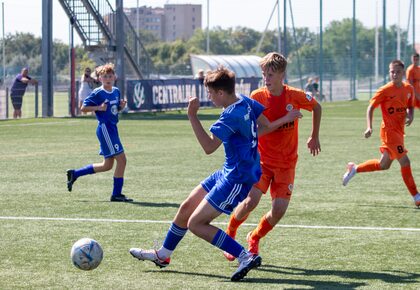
x: 88, y: 169
x: 227, y: 244
x: 173, y: 237
x: 118, y: 184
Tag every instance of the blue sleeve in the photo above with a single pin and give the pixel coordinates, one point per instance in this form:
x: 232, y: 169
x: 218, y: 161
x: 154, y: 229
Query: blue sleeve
x: 256, y: 107
x: 224, y: 127
x: 94, y: 99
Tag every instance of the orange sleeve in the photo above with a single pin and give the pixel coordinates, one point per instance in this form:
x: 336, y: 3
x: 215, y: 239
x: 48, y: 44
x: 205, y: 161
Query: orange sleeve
x: 304, y: 101
x: 378, y: 97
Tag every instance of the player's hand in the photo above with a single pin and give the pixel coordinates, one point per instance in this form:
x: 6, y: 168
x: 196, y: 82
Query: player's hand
x: 314, y: 146
x: 123, y: 103
x: 293, y: 115
x: 368, y: 132
x: 193, y: 106
x: 103, y: 107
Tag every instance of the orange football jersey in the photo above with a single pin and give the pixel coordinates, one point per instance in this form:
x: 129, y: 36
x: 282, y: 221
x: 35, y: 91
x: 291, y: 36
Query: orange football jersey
x: 413, y: 76
x: 279, y: 148
x: 394, y: 102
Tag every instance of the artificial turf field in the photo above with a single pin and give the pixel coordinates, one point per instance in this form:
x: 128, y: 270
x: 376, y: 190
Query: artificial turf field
x: 363, y: 236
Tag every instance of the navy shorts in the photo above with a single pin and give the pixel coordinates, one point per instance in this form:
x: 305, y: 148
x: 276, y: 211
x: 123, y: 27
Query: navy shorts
x: 109, y: 141
x: 223, y: 194
x: 17, y: 102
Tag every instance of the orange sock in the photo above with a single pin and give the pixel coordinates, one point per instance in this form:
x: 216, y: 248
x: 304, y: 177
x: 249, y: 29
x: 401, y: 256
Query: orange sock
x: 409, y: 180
x: 369, y: 166
x: 234, y: 224
x: 262, y: 229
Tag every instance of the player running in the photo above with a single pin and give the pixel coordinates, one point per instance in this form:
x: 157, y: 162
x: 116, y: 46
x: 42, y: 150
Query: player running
x: 396, y: 100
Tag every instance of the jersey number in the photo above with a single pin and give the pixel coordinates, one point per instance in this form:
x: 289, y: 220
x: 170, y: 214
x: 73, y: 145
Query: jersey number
x: 400, y: 149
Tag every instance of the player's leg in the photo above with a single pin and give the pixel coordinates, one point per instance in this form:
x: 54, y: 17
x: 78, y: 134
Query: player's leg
x: 176, y: 232
x: 368, y: 166
x: 240, y: 215
x: 281, y: 190
x: 223, y: 197
x: 119, y: 179
x: 407, y: 176
x: 243, y: 210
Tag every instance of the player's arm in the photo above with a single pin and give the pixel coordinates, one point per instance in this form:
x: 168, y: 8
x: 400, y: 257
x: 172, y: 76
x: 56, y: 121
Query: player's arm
x: 122, y: 105
x: 85, y: 108
x: 410, y: 116
x: 369, y: 120
x: 313, y: 143
x: 208, y: 143
x: 265, y: 126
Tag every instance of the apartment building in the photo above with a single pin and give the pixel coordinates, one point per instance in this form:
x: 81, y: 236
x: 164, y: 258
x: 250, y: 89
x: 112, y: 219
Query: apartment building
x: 172, y: 22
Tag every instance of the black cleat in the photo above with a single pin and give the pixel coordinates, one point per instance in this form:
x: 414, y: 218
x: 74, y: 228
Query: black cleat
x: 245, y: 267
x: 120, y: 198
x: 70, y: 179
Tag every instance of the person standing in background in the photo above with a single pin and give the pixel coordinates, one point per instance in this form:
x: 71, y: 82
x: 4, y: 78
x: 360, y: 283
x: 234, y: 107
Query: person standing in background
x: 18, y: 89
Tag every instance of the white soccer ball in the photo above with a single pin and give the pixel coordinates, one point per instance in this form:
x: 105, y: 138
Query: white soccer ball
x: 86, y: 254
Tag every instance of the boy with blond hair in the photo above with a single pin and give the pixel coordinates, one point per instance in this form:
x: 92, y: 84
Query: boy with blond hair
x: 278, y: 149
x: 106, y: 102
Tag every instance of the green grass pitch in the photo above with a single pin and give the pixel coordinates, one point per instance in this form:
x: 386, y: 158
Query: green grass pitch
x: 347, y: 246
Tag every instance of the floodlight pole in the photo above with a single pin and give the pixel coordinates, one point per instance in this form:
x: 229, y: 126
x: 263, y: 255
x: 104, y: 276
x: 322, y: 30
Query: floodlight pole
x: 384, y: 40
x: 3, y: 46
x: 353, y: 55
x: 208, y: 28
x: 120, y: 38
x: 46, y: 55
x: 321, y: 53
x: 414, y: 25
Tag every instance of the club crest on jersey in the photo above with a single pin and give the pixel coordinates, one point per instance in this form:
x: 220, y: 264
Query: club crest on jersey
x: 289, y: 107
x: 309, y: 97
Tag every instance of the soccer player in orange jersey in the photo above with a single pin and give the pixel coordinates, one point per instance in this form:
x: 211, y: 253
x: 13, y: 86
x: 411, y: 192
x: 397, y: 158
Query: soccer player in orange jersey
x: 396, y: 99
x: 413, y: 77
x: 278, y: 149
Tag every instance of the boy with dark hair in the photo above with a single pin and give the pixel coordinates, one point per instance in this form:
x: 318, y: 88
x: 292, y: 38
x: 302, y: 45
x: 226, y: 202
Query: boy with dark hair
x: 396, y: 100
x: 106, y: 102
x: 219, y: 193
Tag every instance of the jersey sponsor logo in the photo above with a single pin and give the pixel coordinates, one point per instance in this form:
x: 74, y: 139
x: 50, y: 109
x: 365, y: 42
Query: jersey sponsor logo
x: 309, y: 97
x: 289, y: 107
x: 114, y: 110
x: 392, y: 110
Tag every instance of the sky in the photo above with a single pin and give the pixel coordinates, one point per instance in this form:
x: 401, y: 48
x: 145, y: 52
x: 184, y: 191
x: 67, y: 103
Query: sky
x: 26, y: 15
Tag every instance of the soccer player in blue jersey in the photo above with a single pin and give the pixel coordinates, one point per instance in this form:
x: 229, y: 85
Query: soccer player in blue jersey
x: 221, y: 192
x: 106, y: 102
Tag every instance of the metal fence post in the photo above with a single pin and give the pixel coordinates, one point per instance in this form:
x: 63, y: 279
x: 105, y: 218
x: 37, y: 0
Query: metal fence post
x: 330, y: 89
x: 36, y: 100
x: 7, y: 102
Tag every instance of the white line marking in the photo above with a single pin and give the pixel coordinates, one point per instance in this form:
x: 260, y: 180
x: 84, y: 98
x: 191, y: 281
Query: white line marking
x: 38, y: 123
x: 219, y: 223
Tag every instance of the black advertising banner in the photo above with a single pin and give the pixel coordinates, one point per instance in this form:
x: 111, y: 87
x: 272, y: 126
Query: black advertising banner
x: 163, y: 95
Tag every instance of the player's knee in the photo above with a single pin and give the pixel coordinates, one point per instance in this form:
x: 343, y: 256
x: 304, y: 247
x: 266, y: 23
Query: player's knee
x: 250, y: 204
x: 385, y: 166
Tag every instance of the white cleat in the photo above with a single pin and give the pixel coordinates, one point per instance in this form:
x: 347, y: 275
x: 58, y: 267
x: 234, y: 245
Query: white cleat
x: 417, y: 199
x: 149, y: 255
x: 351, y: 171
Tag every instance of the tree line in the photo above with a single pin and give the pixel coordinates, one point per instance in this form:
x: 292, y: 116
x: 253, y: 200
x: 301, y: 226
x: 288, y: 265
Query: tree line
x: 302, y: 47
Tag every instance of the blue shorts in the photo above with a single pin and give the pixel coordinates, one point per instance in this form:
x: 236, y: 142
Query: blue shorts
x: 224, y: 195
x: 109, y: 141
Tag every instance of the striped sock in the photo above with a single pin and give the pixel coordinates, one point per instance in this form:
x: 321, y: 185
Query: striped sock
x: 227, y: 244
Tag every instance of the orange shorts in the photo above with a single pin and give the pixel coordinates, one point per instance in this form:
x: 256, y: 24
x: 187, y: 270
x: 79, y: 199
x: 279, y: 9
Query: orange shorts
x: 393, y: 143
x: 280, y: 181
x: 396, y: 151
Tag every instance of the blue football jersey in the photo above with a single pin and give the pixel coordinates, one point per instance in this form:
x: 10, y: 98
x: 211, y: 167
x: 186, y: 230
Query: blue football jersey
x: 112, y: 99
x: 237, y: 128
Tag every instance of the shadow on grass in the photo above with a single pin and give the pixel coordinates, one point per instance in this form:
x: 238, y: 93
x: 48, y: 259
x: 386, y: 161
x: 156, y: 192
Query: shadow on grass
x: 278, y: 282
x: 390, y: 206
x: 138, y: 203
x: 391, y: 277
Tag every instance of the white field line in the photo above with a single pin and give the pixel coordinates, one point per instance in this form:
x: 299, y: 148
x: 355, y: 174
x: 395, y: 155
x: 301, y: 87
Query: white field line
x: 39, y: 123
x: 219, y: 223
